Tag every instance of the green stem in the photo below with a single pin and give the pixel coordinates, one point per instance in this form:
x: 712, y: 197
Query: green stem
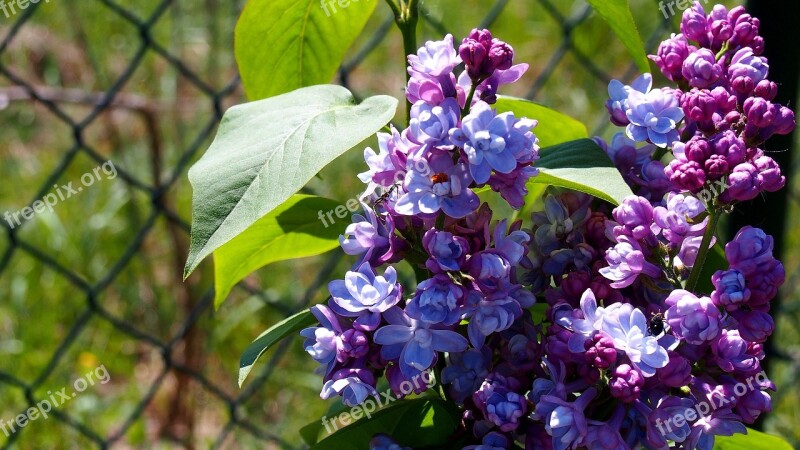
x: 471, y: 95
x: 406, y: 16
x: 694, y: 276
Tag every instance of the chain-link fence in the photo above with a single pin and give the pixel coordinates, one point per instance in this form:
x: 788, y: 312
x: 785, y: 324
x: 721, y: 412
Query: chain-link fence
x: 184, y: 383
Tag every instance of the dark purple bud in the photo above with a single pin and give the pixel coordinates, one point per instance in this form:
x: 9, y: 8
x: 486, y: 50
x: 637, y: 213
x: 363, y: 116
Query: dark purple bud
x: 626, y: 383
x: 671, y: 55
x: 698, y: 149
x: 600, y: 351
x: 694, y: 24
x: 742, y: 183
x: 501, y: 55
x: 766, y: 89
x: 701, y: 69
x: 754, y: 326
x: 687, y: 175
x: 769, y: 174
x: 677, y: 373
x: 752, y: 405
x: 716, y: 167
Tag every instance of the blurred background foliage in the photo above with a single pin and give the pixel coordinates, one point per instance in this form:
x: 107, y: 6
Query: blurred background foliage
x: 98, y: 281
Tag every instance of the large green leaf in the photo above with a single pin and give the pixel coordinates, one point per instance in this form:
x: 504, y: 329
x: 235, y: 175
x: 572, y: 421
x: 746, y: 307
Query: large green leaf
x: 280, y: 330
x: 267, y: 150
x: 282, y: 45
x: 292, y: 230
x: 421, y: 423
x: 582, y: 166
x: 753, y: 440
x: 618, y: 16
x: 554, y: 127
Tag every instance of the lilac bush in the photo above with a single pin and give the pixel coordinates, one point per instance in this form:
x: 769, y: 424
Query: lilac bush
x: 628, y: 331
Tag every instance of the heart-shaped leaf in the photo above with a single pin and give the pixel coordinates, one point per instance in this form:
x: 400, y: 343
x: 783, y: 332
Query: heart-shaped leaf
x: 267, y: 150
x: 282, y: 45
x: 582, y: 166
x: 292, y: 230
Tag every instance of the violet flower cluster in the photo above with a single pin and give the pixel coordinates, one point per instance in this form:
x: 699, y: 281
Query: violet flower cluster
x: 592, y: 326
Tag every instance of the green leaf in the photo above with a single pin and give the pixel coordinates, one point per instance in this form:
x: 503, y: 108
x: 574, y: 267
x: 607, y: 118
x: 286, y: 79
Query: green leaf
x: 582, y: 166
x: 618, y: 16
x: 715, y: 260
x: 277, y: 332
x: 422, y: 422
x: 282, y: 45
x: 292, y: 230
x: 265, y: 151
x: 554, y: 127
x: 753, y: 440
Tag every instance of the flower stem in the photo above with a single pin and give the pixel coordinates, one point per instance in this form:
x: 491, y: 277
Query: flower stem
x: 406, y: 16
x: 694, y: 276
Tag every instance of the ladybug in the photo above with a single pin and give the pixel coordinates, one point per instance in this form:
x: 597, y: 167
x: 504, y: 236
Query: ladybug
x: 439, y: 178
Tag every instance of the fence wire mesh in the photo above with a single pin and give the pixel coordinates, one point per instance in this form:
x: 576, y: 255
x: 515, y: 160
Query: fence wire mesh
x: 166, y: 409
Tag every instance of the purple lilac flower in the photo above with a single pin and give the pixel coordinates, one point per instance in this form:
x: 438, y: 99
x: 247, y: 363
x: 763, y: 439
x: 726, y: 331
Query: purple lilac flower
x: 694, y: 319
x: 387, y: 166
x: 384, y: 442
x: 487, y: 90
x: 670, y: 57
x: 510, y: 244
x: 465, y: 372
x: 660, y: 421
x: 749, y: 249
x: 618, y: 94
x: 370, y: 236
x: 628, y: 328
x: 677, y: 373
x: 605, y: 435
x: 431, y: 124
x: 365, y: 295
x: 747, y: 70
x: 600, y: 351
x: 694, y: 24
x: 565, y: 421
x: 447, y: 252
x: 626, y: 262
x: 492, y: 441
x: 730, y: 291
x: 752, y: 404
x: 653, y: 117
x: 437, y: 300
x: 415, y: 342
x: 754, y: 326
x: 446, y: 189
x: 494, y: 142
x: 435, y: 58
x: 626, y: 383
x: 513, y: 187
x: 323, y: 342
x: 499, y: 403
x: 354, y: 385
x: 734, y: 354
x: 490, y: 314
x: 635, y: 217
x: 490, y: 269
x: 674, y: 221
x: 701, y: 69
x: 483, y: 55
